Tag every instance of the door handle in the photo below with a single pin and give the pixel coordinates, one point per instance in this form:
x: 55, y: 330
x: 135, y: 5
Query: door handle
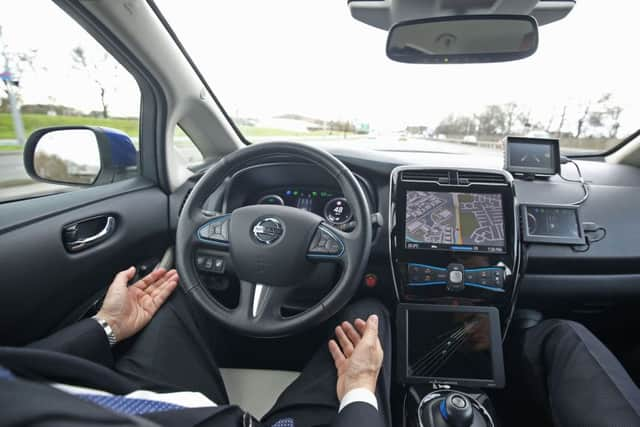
x: 74, y: 244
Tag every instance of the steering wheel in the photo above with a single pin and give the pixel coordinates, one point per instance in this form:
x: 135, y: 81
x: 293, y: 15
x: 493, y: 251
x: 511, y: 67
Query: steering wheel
x: 272, y: 248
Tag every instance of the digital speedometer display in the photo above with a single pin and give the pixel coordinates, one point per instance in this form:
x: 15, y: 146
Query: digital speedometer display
x: 326, y: 203
x: 338, y: 211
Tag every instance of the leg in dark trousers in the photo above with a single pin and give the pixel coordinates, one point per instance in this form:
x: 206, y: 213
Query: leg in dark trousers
x: 172, y: 353
x: 575, y: 378
x: 311, y: 400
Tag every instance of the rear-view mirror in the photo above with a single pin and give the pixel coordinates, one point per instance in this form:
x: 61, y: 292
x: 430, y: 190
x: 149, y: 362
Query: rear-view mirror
x: 463, y: 39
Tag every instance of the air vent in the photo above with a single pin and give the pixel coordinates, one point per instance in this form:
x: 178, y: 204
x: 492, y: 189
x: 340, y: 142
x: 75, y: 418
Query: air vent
x: 480, y: 178
x: 441, y: 176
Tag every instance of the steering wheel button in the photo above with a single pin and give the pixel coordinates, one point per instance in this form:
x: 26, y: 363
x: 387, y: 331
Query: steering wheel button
x: 218, y: 265
x: 200, y: 259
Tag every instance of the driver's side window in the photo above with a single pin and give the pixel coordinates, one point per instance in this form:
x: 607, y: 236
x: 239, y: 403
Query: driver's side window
x: 61, y: 76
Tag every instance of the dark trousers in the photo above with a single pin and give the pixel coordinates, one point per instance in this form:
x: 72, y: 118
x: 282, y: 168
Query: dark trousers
x: 174, y: 353
x: 562, y: 370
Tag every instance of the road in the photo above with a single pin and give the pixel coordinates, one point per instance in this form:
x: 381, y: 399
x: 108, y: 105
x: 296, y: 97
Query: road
x: 11, y: 167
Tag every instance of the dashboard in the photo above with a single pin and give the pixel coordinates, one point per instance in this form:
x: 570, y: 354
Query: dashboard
x: 558, y: 276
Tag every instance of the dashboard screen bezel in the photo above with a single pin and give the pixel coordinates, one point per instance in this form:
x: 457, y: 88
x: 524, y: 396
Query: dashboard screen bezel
x: 553, y: 144
x: 527, y: 236
x: 401, y: 214
x: 402, y: 324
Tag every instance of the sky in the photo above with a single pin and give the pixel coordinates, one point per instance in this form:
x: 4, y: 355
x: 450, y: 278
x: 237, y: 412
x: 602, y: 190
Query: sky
x: 265, y: 58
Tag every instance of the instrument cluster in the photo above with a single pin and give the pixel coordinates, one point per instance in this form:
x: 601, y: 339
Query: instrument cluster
x: 329, y: 204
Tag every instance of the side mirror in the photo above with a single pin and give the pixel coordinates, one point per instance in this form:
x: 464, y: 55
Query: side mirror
x: 80, y: 155
x: 463, y: 39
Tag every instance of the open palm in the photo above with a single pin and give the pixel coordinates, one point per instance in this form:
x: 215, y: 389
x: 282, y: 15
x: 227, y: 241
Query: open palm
x: 128, y: 309
x: 357, y: 355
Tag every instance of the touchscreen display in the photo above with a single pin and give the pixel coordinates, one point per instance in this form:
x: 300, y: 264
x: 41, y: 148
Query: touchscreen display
x: 454, y: 221
x: 445, y: 344
x: 552, y: 221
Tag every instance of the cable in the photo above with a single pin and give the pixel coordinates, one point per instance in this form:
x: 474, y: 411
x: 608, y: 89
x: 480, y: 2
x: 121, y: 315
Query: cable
x: 590, y: 227
x: 580, y: 180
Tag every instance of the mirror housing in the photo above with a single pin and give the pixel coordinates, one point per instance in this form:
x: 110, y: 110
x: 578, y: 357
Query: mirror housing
x: 463, y: 39
x: 79, y: 155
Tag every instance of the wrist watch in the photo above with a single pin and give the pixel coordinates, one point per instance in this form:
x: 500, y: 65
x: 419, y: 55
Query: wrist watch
x: 107, y: 330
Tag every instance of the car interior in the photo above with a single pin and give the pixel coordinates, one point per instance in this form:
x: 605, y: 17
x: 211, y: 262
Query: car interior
x: 272, y: 238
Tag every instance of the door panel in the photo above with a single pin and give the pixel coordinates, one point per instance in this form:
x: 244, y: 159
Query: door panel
x: 41, y: 282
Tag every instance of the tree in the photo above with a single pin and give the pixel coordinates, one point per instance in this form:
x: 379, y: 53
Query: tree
x: 603, y: 118
x: 582, y: 119
x: 492, y: 121
x: 457, y: 125
x: 15, y: 63
x: 101, y: 68
x: 609, y: 114
x: 510, y: 110
x: 562, y: 119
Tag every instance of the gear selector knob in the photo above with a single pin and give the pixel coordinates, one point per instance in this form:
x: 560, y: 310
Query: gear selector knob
x: 456, y: 409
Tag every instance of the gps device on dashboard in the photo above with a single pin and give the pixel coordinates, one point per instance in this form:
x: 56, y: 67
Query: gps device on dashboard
x: 557, y: 224
x: 455, y: 345
x: 536, y: 157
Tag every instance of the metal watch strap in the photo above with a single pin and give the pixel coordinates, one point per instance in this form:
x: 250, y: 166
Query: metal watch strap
x: 107, y: 330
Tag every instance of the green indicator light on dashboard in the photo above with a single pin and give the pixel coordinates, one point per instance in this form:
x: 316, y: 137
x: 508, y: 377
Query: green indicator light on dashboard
x: 295, y: 193
x: 324, y: 194
x: 314, y: 193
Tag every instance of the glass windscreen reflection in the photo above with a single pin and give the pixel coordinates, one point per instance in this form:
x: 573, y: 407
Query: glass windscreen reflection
x: 449, y: 345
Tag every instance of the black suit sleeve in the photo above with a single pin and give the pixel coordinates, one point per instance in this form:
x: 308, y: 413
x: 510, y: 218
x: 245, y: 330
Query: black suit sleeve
x: 359, y: 414
x: 85, y: 339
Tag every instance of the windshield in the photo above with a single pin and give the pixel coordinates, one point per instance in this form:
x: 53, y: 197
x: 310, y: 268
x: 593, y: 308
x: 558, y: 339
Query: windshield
x: 300, y: 70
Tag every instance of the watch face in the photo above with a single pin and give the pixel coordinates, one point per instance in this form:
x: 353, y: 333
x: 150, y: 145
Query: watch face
x: 111, y: 336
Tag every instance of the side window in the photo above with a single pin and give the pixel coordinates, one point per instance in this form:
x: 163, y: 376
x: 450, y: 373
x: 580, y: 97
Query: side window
x: 185, y: 147
x: 61, y: 77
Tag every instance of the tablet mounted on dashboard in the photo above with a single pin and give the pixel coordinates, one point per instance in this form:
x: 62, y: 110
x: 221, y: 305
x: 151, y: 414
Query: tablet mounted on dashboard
x: 535, y: 157
x: 454, y: 345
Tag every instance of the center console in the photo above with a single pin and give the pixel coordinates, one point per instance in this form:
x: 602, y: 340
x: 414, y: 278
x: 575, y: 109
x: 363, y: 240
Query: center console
x: 454, y: 237
x: 455, y: 254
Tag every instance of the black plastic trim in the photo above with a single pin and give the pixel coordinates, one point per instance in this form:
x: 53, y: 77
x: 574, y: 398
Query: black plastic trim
x: 17, y: 215
x: 577, y: 288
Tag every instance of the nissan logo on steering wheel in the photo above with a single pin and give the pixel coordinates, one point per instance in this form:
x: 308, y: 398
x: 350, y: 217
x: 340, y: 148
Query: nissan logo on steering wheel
x: 268, y: 230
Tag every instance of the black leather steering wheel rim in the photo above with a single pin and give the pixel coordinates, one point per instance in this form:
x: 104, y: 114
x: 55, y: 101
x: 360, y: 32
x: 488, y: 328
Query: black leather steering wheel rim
x: 354, y: 257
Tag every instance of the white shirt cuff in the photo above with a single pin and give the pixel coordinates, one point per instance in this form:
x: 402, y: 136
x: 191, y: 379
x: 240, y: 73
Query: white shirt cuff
x: 358, y: 395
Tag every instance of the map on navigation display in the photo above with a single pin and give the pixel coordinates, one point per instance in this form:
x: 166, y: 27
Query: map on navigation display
x: 469, y: 221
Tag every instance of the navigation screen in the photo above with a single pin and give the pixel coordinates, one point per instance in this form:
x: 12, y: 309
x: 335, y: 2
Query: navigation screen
x: 449, y: 345
x: 454, y: 221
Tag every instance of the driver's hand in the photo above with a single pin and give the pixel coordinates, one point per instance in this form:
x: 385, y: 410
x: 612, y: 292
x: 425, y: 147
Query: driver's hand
x: 358, y: 358
x: 128, y: 309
